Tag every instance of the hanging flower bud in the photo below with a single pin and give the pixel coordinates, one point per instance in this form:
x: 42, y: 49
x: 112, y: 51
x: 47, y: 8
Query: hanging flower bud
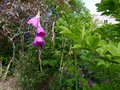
x: 40, y: 31
x: 38, y: 41
x: 35, y: 20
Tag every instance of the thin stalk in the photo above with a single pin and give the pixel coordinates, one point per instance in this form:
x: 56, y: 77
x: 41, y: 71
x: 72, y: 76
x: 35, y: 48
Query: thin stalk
x: 61, y: 64
x: 53, y: 35
x: 61, y: 67
x: 61, y: 60
x: 76, y: 86
x: 22, y: 42
x: 13, y: 50
x: 39, y: 58
x: 0, y: 67
x: 61, y: 73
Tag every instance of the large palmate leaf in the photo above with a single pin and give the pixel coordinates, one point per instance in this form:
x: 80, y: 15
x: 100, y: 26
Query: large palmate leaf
x: 109, y: 7
x: 116, y: 59
x: 119, y: 46
x: 92, y: 42
x: 102, y: 50
x: 79, y: 46
x: 115, y: 51
x: 66, y: 32
x: 76, y: 46
x: 83, y: 33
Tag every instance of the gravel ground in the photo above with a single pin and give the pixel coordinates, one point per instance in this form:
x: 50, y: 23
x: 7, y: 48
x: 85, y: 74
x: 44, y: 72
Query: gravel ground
x: 11, y: 84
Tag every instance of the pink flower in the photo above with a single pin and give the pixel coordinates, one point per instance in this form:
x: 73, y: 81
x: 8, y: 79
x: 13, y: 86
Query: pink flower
x: 40, y: 31
x: 34, y: 21
x: 38, y: 41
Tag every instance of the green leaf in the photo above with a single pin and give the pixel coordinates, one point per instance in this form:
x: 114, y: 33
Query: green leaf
x: 83, y: 33
x: 49, y: 62
x: 113, y: 50
x: 116, y: 59
x: 108, y: 57
x: 92, y: 42
x: 65, y: 31
x: 101, y: 62
x: 76, y: 46
x: 102, y: 50
x: 119, y: 46
x: 79, y: 46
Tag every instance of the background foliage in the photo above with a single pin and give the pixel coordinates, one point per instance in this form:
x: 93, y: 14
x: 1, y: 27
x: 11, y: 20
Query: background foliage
x: 78, y: 54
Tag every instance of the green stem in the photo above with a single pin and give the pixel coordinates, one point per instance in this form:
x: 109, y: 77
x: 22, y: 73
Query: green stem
x: 61, y: 61
x: 76, y: 70
x: 61, y: 77
x: 61, y: 64
x: 61, y: 74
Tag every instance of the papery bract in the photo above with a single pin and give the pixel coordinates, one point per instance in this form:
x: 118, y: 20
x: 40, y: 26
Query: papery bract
x: 40, y: 31
x: 34, y: 21
x: 38, y: 41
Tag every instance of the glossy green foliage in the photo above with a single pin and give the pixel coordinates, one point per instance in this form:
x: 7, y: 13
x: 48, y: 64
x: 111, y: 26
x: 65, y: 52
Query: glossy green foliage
x: 79, y: 31
x: 109, y: 32
x: 97, y: 48
x: 109, y: 7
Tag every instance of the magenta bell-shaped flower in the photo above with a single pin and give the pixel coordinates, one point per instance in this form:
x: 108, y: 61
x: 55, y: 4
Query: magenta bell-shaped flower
x: 38, y: 41
x: 40, y: 31
x: 34, y: 21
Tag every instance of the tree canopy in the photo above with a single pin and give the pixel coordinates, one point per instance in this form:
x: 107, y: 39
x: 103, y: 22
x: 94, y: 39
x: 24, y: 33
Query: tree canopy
x: 109, y: 7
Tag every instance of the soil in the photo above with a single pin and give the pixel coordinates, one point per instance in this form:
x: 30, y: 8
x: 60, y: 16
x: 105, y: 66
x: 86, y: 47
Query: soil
x: 11, y: 84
